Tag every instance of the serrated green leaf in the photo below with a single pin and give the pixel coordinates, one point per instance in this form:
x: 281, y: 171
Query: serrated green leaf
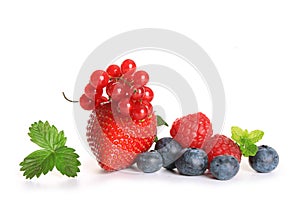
x: 54, y: 152
x: 66, y: 161
x: 46, y: 136
x: 255, y: 136
x: 250, y: 150
x: 237, y: 134
x: 246, y: 140
x: 161, y: 121
x: 38, y: 162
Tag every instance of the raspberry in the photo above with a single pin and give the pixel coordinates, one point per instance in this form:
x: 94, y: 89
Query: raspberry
x: 191, y: 130
x: 220, y: 145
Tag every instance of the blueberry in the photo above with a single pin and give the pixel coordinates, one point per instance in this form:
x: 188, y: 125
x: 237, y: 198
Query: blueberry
x: 192, y: 162
x: 149, y: 162
x: 265, y: 160
x: 224, y: 167
x: 170, y: 151
x: 170, y: 166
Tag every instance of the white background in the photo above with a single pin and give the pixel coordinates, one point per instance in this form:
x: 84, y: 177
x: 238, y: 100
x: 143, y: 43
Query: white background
x: 254, y: 44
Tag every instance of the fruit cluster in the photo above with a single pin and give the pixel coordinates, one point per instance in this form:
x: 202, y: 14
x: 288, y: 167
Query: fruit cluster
x: 125, y: 87
x: 193, y: 149
x: 169, y: 154
x: 122, y: 123
x: 122, y: 128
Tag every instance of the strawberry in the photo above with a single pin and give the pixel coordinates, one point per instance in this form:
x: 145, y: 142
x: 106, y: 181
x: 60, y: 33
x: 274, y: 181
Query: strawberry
x: 116, y: 140
x: 221, y: 145
x: 191, y: 130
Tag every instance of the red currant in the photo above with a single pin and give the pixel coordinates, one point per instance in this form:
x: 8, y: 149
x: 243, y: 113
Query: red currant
x: 138, y: 111
x: 140, y: 78
x: 138, y: 94
x: 86, y: 103
x: 148, y: 106
x: 124, y: 106
x: 128, y: 67
x: 99, y: 78
x: 148, y: 94
x: 90, y: 91
x: 118, y: 91
x: 114, y: 71
x: 110, y: 88
x: 127, y: 79
x: 128, y: 90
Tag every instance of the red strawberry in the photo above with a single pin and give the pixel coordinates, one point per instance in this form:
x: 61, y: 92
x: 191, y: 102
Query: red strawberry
x: 116, y: 140
x: 222, y: 145
x: 191, y: 130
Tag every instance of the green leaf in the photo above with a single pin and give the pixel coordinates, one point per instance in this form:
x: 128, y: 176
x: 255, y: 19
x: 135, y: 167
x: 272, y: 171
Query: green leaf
x: 246, y: 140
x: 54, y: 152
x: 255, y: 136
x: 38, y: 162
x: 237, y: 134
x: 250, y: 150
x: 66, y: 161
x: 46, y: 136
x: 160, y: 121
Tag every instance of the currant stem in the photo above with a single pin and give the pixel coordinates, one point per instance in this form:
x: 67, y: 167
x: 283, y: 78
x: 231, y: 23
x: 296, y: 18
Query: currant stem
x: 72, y: 101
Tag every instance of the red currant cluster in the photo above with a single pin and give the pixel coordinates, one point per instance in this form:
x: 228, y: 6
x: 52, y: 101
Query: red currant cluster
x: 125, y: 88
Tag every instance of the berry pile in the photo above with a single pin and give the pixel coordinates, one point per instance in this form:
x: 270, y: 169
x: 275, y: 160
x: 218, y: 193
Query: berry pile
x: 122, y: 128
x: 193, y: 150
x: 125, y: 88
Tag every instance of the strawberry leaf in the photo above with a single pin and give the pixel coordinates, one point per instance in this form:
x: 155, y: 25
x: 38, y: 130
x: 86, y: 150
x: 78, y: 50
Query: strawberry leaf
x: 38, y: 162
x: 66, y: 161
x: 46, y: 136
x: 54, y: 152
x: 161, y: 121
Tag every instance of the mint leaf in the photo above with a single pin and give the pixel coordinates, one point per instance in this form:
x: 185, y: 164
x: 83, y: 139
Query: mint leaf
x: 54, y: 152
x: 38, y: 162
x: 46, y: 136
x: 237, y: 134
x: 256, y: 135
x: 250, y: 150
x: 160, y: 121
x: 66, y: 161
x: 246, y: 140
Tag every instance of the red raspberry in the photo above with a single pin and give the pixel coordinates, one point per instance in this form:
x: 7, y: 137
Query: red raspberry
x: 221, y: 145
x: 191, y: 130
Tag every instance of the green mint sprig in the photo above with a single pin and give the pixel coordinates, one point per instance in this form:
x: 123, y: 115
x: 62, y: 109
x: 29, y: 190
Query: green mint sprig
x: 246, y: 140
x: 53, y: 153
